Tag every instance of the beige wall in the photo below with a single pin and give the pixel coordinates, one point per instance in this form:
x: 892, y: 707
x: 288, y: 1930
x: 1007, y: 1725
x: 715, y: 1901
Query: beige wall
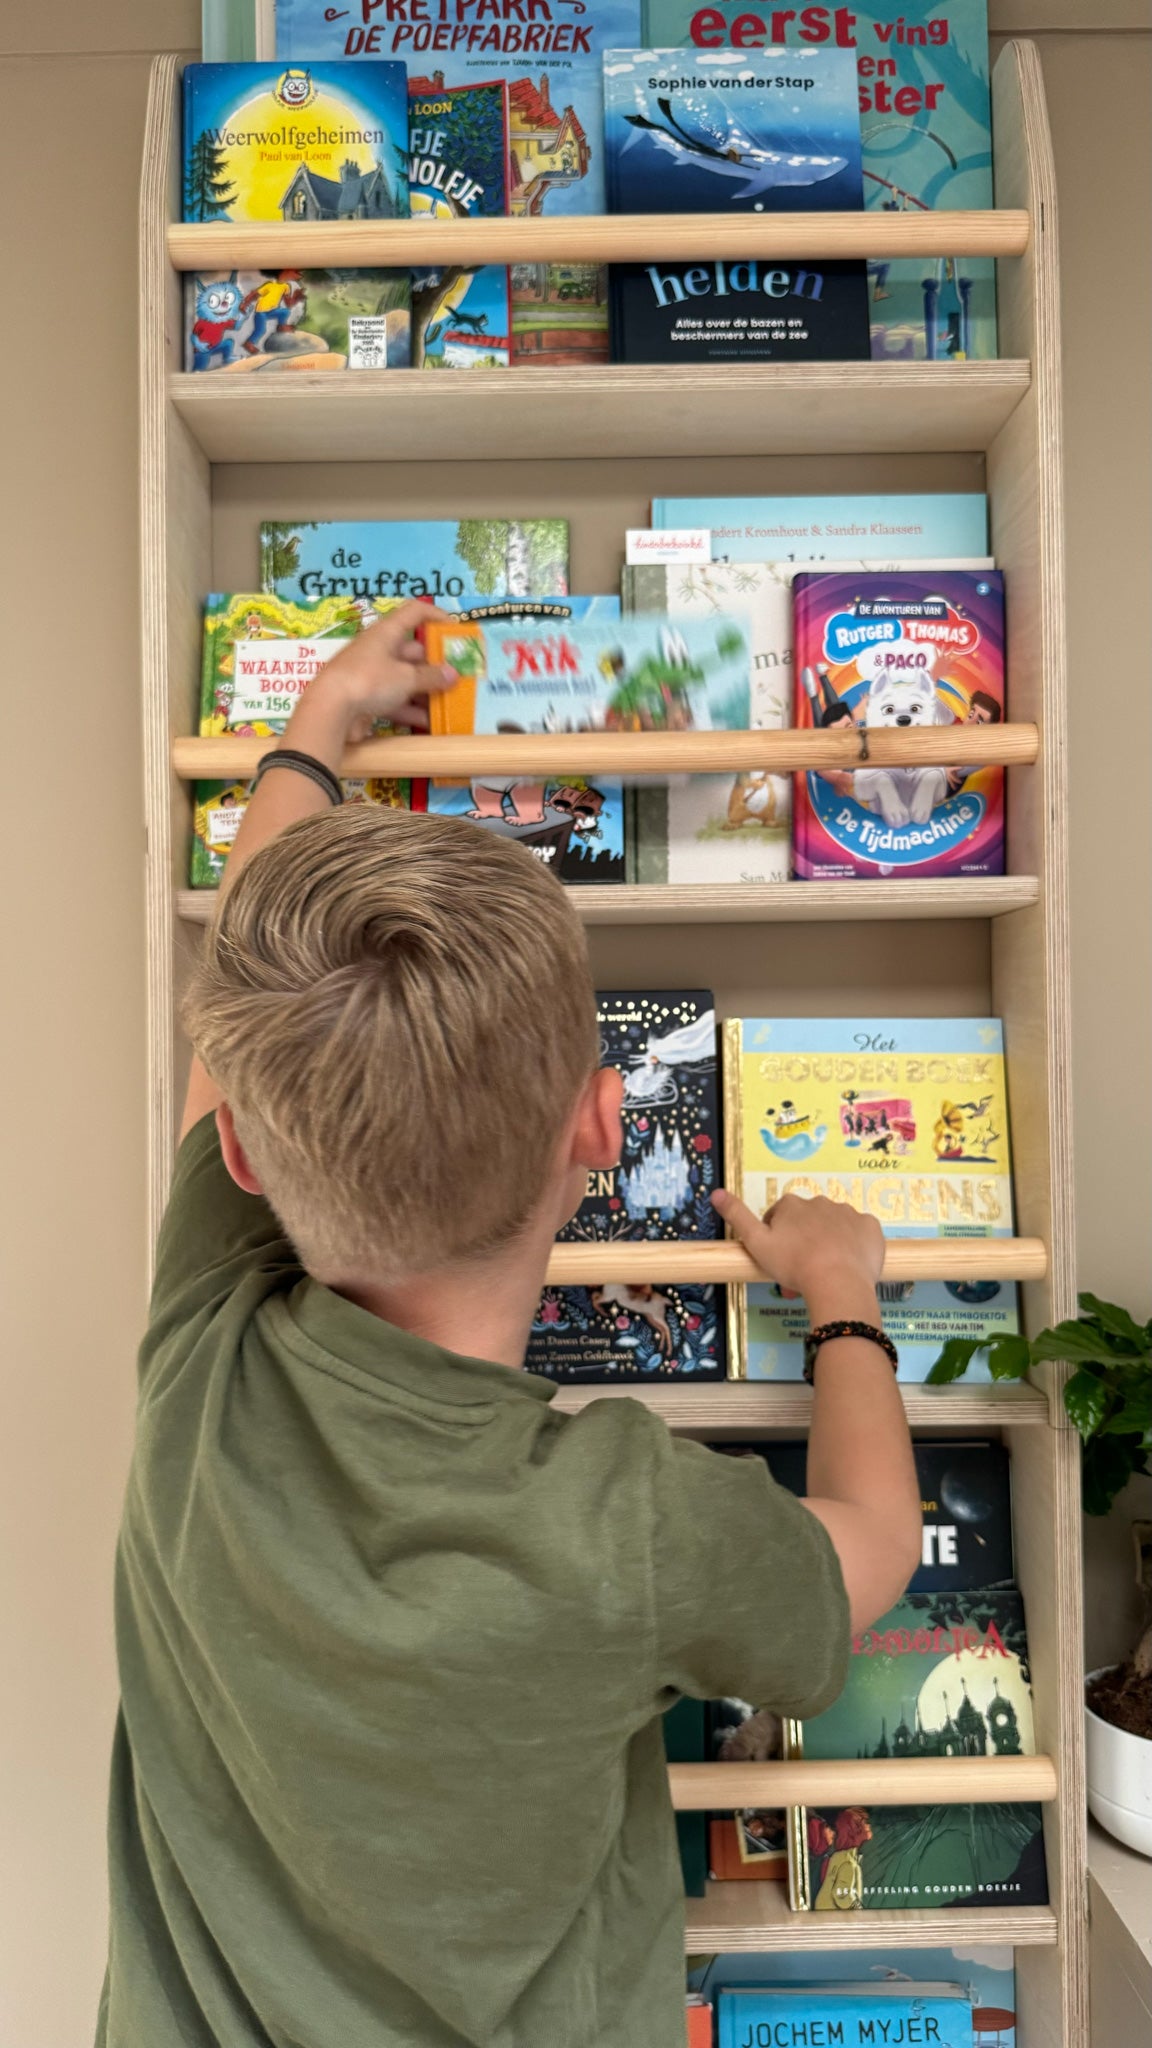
x: 72, y: 1226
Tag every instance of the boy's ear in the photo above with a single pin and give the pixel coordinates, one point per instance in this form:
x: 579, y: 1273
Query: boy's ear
x: 233, y: 1153
x: 597, y: 1133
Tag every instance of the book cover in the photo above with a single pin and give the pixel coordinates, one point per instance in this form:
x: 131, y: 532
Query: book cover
x: 699, y: 2018
x: 713, y: 132
x: 852, y: 2016
x: 310, y: 141
x: 580, y: 828
x: 259, y: 654
x: 549, y: 52
x: 245, y: 320
x: 455, y: 562
x: 459, y: 168
x: 752, y: 1842
x: 985, y: 1972
x: 942, y: 1674
x: 896, y: 651
x: 925, y: 124
x: 686, y: 1742
x: 907, y: 1120
x: 898, y: 528
x: 664, y: 1044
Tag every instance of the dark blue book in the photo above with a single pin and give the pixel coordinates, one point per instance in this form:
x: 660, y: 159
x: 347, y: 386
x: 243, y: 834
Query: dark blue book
x: 724, y: 131
x: 664, y: 1044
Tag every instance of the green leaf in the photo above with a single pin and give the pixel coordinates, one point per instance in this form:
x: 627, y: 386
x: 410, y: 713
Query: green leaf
x: 1109, y: 1462
x: 1009, y: 1357
x: 1115, y: 1320
x: 1087, y: 1400
x: 954, y: 1360
x: 1134, y: 1415
x: 1077, y: 1343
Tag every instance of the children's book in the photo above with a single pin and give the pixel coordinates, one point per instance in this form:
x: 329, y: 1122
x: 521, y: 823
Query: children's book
x: 850, y: 2015
x: 246, y: 320
x: 984, y: 1972
x: 455, y: 562
x: 663, y: 1042
x: 259, y: 654
x: 300, y: 142
x: 906, y: 1120
x: 901, y: 650
x: 925, y: 125
x: 751, y: 1843
x: 941, y: 1675
x: 884, y: 528
x: 711, y: 132
x: 699, y: 2017
x: 580, y: 828
x: 459, y: 168
x: 549, y: 52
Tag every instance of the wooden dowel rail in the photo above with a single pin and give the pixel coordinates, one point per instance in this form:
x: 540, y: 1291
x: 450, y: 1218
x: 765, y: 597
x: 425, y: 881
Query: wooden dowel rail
x: 597, y: 238
x: 687, y: 1261
x: 864, y: 1781
x: 638, y: 753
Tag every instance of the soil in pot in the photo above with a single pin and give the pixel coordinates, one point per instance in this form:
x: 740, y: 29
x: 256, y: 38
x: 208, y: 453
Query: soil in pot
x: 1124, y: 1697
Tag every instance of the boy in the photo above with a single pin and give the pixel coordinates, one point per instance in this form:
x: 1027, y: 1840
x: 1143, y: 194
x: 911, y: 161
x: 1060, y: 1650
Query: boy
x: 394, y: 1636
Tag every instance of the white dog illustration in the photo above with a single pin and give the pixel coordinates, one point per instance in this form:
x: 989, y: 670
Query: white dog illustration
x: 903, y: 795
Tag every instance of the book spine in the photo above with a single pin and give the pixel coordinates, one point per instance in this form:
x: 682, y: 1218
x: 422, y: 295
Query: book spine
x: 207, y: 670
x: 731, y: 1065
x: 799, y: 1887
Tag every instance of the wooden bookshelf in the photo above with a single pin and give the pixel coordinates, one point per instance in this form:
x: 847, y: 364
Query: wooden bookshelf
x: 219, y: 453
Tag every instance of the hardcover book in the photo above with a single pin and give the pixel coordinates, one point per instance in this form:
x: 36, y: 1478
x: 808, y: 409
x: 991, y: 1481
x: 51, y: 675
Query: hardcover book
x: 549, y: 53
x: 888, y: 528
x: 455, y: 562
x: 716, y: 133
x: 941, y: 1675
x: 897, y: 651
x: 925, y: 126
x: 259, y: 654
x: 309, y: 141
x: 905, y: 1119
x: 246, y: 320
x: 685, y: 1742
x: 984, y: 1973
x: 664, y: 1044
x: 850, y: 2015
x: 459, y: 168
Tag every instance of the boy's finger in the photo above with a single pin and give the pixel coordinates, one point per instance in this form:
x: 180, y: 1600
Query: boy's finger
x: 415, y: 715
x: 410, y: 616
x: 428, y: 678
x: 752, y: 1231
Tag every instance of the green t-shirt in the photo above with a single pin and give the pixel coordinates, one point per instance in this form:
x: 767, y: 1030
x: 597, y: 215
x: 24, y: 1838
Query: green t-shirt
x: 395, y: 1638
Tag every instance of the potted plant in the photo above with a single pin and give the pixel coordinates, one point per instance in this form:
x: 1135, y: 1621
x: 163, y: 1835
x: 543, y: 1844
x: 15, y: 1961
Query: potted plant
x: 1109, y: 1398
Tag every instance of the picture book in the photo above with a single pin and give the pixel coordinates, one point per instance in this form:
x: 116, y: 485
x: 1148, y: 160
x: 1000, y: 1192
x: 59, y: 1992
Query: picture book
x: 941, y: 1674
x: 910, y: 526
x: 259, y: 654
x: 459, y: 167
x: 925, y: 125
x: 453, y: 561
x: 549, y: 52
x: 896, y: 651
x: 664, y: 1043
x: 752, y: 1842
x: 984, y: 1971
x: 714, y: 132
x: 905, y: 1119
x: 580, y: 828
x: 246, y: 320
x: 851, y: 2015
x: 309, y: 141
x: 699, y: 2017
x: 631, y: 675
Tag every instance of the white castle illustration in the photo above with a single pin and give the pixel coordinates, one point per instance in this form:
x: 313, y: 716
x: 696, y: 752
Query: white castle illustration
x: 659, y: 1180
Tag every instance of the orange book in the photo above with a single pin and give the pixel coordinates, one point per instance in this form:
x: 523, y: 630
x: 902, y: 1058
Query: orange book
x: 699, y: 2026
x: 462, y: 647
x: 727, y: 1860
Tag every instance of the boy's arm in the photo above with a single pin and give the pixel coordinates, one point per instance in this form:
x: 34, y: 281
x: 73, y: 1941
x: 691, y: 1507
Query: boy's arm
x: 377, y: 675
x: 862, y: 1482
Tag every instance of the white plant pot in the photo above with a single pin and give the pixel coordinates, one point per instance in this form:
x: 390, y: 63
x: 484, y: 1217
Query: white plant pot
x: 1119, y: 1779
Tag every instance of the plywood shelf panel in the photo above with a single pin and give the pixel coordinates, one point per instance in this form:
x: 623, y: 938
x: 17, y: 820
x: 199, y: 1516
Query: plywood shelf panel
x: 752, y: 1918
x: 751, y: 1408
x: 605, y: 410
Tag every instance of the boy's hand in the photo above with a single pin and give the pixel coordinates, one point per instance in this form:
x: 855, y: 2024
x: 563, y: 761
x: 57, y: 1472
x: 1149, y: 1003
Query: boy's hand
x: 823, y: 1250
x: 382, y: 672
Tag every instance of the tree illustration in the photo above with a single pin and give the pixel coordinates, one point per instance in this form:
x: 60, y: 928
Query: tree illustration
x: 280, y: 549
x: 483, y: 544
x: 546, y: 541
x: 208, y: 191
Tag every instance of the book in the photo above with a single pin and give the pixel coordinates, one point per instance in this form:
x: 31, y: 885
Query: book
x: 851, y: 2015
x: 714, y: 133
x: 663, y: 1041
x: 686, y: 1742
x: 901, y: 650
x: 295, y: 143
x: 549, y: 53
x: 699, y: 2018
x: 259, y: 654
x: 724, y: 828
x: 985, y: 1973
x: 941, y: 1674
x: 907, y: 1120
x: 911, y: 525
x: 752, y: 1842
x: 241, y: 321
x: 580, y: 828
x: 925, y: 124
x: 455, y: 562
x: 629, y: 675
x: 459, y: 167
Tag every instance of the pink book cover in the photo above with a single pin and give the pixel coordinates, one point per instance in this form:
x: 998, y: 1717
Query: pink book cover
x: 896, y: 650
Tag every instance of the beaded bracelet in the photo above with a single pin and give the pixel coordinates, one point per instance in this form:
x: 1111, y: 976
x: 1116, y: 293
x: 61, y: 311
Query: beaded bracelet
x: 318, y: 772
x: 827, y: 1331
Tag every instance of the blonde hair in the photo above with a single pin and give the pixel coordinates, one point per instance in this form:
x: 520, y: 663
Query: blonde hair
x: 399, y: 1013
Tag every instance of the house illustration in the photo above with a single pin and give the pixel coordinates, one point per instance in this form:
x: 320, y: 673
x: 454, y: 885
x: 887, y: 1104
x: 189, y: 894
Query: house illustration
x: 547, y: 148
x: 359, y: 195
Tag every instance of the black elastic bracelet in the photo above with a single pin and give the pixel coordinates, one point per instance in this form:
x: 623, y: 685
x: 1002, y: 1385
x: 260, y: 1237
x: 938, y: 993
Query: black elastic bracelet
x: 318, y: 772
x: 827, y: 1331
